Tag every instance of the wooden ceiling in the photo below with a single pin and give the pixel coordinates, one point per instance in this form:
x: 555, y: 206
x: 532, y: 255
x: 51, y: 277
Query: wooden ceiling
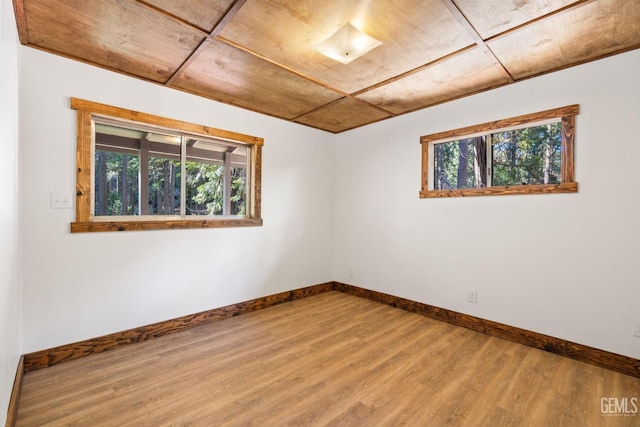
x: 259, y: 54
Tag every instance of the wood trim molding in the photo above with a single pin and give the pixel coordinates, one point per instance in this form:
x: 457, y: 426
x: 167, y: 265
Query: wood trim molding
x: 53, y: 356
x: 563, y: 187
x: 256, y: 195
x: 14, y: 400
x: 567, y: 173
x: 151, y: 119
x: 98, y: 226
x: 86, y: 143
x: 83, y: 166
x: 21, y: 21
x: 566, y: 116
x: 477, y: 38
x: 593, y: 356
x: 217, y: 29
x: 569, y: 110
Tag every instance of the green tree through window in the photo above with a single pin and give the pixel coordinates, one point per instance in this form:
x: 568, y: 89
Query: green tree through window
x: 522, y: 155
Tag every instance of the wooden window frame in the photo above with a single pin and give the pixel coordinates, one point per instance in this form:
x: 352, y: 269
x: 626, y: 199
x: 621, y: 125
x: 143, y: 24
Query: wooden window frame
x: 567, y: 184
x: 86, y: 111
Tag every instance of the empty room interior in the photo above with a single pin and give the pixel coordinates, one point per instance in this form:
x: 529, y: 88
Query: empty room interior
x: 279, y: 212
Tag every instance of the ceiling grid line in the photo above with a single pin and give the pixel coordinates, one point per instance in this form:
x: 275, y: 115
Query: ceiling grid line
x: 414, y: 71
x: 228, y: 15
x: 304, y: 76
x: 277, y: 64
x: 553, y: 14
x: 261, y: 55
x: 171, y: 16
x: 194, y: 55
x: 468, y: 26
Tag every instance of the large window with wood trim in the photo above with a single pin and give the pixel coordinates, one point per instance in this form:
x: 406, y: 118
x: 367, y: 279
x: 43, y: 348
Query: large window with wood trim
x: 522, y: 155
x: 137, y: 171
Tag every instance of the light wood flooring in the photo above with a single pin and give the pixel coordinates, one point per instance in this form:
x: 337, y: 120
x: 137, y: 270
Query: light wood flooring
x: 331, y: 359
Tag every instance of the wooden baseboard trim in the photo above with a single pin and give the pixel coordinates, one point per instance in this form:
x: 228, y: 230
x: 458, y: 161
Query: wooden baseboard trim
x: 14, y: 400
x: 53, y: 356
x: 593, y: 356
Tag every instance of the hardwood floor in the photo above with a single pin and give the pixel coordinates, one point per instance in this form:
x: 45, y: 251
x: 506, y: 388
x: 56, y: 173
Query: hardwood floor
x: 330, y: 359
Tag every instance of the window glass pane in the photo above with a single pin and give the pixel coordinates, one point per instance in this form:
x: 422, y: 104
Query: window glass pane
x: 164, y: 173
x: 116, y: 183
x: 527, y: 156
x: 153, y: 173
x: 138, y: 172
x: 534, y: 151
x: 238, y: 191
x: 123, y: 154
x: 204, y: 188
x: 117, y: 165
x: 213, y: 169
x: 460, y: 164
x: 164, y: 186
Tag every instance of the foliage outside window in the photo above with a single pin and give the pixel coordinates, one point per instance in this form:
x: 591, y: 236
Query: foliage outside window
x: 528, y: 154
x: 137, y: 171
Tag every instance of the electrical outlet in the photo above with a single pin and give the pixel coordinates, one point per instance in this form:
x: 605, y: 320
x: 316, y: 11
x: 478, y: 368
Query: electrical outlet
x: 472, y: 296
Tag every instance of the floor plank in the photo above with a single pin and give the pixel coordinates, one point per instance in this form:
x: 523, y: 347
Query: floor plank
x: 331, y: 359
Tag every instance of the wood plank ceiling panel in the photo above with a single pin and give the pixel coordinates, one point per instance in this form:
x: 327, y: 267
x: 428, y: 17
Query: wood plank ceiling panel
x: 204, y: 14
x: 344, y: 114
x: 459, y: 75
x: 503, y: 15
x: 121, y: 35
x: 588, y: 32
x: 413, y: 32
x: 259, y: 54
x: 233, y: 76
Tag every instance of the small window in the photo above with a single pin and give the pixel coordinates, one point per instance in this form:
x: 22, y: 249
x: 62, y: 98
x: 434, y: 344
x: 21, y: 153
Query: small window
x: 522, y: 155
x: 158, y: 173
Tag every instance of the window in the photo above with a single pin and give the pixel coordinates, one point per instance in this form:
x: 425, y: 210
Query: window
x: 523, y: 155
x: 136, y: 171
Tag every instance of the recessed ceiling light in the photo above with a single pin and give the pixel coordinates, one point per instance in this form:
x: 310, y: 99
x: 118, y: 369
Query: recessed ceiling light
x: 347, y: 44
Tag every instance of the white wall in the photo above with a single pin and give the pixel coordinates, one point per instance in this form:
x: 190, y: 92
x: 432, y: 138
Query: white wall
x: 563, y: 265
x: 78, y: 286
x: 10, y: 303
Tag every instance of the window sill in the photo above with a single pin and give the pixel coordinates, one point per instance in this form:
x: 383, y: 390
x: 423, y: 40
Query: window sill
x: 99, y: 226
x: 566, y: 187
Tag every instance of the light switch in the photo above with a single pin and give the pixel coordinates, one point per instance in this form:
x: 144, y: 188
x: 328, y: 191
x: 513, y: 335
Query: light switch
x: 61, y: 200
